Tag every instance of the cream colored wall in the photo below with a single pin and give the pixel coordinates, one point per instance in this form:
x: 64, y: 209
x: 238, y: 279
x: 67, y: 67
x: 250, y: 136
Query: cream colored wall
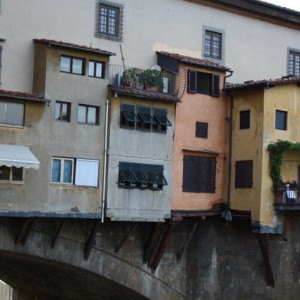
x: 168, y: 25
x: 137, y: 146
x: 211, y: 110
x: 246, y: 145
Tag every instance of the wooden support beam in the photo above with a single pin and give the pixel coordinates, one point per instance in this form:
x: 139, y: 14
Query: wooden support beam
x: 151, y: 242
x: 61, y: 224
x: 25, y: 230
x: 263, y: 240
x: 127, y: 234
x: 184, y: 247
x: 163, y: 244
x: 91, y: 240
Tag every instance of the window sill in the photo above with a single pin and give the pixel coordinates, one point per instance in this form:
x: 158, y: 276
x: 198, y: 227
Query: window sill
x: 12, y: 126
x: 12, y: 182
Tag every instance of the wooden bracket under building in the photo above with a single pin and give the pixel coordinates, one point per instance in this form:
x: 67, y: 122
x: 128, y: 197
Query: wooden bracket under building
x: 263, y: 240
x: 62, y: 222
x: 25, y: 230
x: 91, y: 240
x: 127, y: 234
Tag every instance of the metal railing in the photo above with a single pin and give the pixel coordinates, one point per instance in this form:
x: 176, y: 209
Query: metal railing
x: 287, y: 196
x: 153, y: 79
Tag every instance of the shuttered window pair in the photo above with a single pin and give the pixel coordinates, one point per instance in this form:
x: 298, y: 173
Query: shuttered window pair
x: 203, y: 83
x: 199, y: 174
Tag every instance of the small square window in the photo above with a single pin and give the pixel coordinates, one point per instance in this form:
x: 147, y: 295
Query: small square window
x: 281, y: 120
x: 62, y: 111
x: 109, y: 20
x: 245, y: 119
x: 88, y: 114
x: 73, y: 65
x: 96, y: 69
x: 11, y: 113
x: 201, y: 130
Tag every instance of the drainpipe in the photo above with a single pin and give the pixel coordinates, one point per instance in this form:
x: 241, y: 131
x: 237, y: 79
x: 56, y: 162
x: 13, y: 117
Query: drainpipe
x: 227, y: 214
x: 104, y: 163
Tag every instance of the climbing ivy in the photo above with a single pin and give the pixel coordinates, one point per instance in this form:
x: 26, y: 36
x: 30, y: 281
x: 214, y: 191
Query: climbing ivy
x: 276, y: 150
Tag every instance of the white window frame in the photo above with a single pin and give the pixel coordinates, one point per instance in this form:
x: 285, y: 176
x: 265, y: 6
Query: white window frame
x: 296, y: 64
x: 62, y: 160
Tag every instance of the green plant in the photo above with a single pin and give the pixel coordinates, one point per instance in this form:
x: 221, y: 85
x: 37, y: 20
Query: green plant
x: 152, y: 78
x: 131, y: 77
x: 276, y: 150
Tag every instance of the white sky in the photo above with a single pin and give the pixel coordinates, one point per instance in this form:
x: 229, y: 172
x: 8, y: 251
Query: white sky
x: 292, y: 4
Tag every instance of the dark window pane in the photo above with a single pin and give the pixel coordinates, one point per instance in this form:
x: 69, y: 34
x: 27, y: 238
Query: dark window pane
x: 17, y: 174
x: 281, y: 120
x: 201, y: 130
x: 244, y: 174
x: 4, y: 173
x: 245, y: 119
x: 203, y: 83
x: 213, y: 44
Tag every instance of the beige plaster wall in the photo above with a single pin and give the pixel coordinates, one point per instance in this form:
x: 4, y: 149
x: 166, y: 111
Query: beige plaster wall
x: 168, y: 25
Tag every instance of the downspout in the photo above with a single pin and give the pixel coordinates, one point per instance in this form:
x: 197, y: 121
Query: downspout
x: 227, y: 214
x: 104, y: 163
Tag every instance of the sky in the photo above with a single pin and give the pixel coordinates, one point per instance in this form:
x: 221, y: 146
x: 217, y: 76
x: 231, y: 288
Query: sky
x: 292, y: 4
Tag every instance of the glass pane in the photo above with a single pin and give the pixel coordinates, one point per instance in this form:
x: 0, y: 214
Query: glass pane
x: 65, y: 64
x: 2, y: 109
x: 68, y: 171
x: 14, y: 114
x: 17, y: 174
x: 91, y: 68
x: 92, y: 115
x: 77, y: 66
x: 98, y: 69
x: 81, y: 114
x: 4, y: 173
x: 64, y: 112
x: 56, y: 170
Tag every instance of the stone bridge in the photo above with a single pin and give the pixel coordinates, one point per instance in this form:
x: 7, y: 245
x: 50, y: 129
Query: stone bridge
x: 86, y: 259
x: 53, y: 258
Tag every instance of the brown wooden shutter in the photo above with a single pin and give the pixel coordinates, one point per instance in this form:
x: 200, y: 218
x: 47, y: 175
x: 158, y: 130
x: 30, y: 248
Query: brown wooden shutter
x: 192, y: 75
x: 215, y: 85
x: 244, y: 174
x: 201, y: 130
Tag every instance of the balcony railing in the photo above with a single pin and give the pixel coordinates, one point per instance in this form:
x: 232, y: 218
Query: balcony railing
x: 153, y: 80
x: 287, y: 198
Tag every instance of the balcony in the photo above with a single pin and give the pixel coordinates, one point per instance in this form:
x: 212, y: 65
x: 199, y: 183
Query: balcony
x: 287, y: 197
x: 150, y: 80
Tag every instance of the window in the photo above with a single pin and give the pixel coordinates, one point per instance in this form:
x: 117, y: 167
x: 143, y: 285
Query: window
x: 243, y: 174
x: 160, y: 117
x: 11, y: 113
x: 213, y: 44
x: 72, y: 171
x: 281, y: 120
x: 11, y: 174
x: 62, y: 111
x: 203, y: 83
x: 293, y: 62
x: 144, y: 118
x: 109, y: 20
x: 199, y: 174
x: 245, y: 119
x: 144, y: 176
x: 96, y: 69
x: 201, y: 130
x: 62, y: 170
x: 88, y: 114
x: 72, y: 65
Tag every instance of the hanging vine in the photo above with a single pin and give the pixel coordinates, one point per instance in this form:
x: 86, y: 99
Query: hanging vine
x: 276, y: 150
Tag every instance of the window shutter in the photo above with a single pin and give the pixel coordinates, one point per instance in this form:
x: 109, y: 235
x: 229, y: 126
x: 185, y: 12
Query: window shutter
x: 244, y: 174
x: 201, y: 130
x: 192, y: 75
x: 215, y: 85
x: 87, y: 172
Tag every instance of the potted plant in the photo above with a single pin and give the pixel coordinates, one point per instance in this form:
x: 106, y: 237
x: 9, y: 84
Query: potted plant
x: 131, y: 77
x: 152, y: 80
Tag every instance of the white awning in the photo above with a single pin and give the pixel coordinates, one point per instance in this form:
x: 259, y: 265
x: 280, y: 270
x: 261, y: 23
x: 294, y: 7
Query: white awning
x: 17, y: 156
